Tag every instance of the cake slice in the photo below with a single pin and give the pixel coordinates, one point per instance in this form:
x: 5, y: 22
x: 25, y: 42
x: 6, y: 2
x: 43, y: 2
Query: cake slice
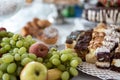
x: 115, y: 65
x: 103, y: 57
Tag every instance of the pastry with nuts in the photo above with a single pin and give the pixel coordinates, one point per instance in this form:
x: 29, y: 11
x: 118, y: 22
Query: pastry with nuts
x: 97, y: 38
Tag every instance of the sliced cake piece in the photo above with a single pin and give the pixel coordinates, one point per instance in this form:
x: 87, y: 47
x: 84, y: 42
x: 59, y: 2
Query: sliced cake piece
x: 103, y: 57
x: 115, y: 65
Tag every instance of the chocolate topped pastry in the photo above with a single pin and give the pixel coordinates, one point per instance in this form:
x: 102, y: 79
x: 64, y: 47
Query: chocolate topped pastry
x: 82, y: 44
x: 72, y: 38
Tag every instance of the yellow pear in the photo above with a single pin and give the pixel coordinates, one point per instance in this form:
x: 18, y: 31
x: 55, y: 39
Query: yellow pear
x: 54, y: 74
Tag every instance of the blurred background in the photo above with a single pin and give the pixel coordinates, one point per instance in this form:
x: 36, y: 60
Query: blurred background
x: 58, y: 12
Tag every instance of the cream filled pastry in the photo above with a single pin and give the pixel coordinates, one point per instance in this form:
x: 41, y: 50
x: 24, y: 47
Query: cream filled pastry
x: 50, y: 35
x: 103, y: 57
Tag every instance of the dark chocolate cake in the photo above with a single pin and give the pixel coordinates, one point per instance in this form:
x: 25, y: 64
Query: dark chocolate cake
x: 103, y: 12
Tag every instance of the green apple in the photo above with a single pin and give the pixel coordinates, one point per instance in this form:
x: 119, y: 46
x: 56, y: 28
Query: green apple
x: 34, y: 71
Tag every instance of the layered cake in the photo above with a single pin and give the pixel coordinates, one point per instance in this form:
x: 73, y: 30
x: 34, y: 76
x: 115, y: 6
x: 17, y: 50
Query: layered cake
x: 107, y: 12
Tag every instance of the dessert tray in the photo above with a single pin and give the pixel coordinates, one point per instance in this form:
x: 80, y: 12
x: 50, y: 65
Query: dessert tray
x: 103, y: 74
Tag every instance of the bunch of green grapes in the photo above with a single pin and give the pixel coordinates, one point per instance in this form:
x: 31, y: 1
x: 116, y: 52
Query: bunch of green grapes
x: 14, y: 54
x: 66, y: 61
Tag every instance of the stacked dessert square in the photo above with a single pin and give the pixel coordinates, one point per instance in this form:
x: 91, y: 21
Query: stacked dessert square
x: 100, y: 46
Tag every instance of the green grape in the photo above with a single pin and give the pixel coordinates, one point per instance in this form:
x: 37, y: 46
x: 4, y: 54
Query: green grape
x: 11, y: 68
x: 74, y: 63
x: 13, y: 77
x: 22, y: 50
x: 3, y: 67
x: 19, y: 43
x: 15, y: 37
x: 46, y: 60
x: 6, y: 76
x: 26, y: 44
x: 49, y: 55
x: 61, y: 67
x: 17, y: 57
x: 7, y: 47
x: 12, y: 42
x: 56, y: 56
x: 19, y: 69
x: 25, y: 61
x: 24, y: 56
x: 70, y: 56
x: 78, y: 59
x: 3, y: 44
x: 56, y: 61
x: 15, y: 50
x: 73, y: 71
x: 52, y: 50
x: 29, y: 38
x: 2, y: 51
x: 66, y: 51
x: 1, y: 61
x: 7, y: 58
x: 49, y: 65
x: 32, y: 56
x: 65, y: 75
x: 10, y: 34
x: 1, y: 73
x: 75, y: 54
x: 6, y: 40
x: 64, y: 57
x: 39, y: 59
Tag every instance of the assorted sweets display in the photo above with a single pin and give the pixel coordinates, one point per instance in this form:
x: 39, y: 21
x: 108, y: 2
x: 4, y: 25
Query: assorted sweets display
x: 42, y: 30
x: 23, y: 58
x: 107, y: 11
x: 99, y: 46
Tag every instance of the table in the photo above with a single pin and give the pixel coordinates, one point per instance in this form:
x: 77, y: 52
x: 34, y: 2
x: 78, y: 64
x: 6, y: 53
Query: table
x: 37, y: 9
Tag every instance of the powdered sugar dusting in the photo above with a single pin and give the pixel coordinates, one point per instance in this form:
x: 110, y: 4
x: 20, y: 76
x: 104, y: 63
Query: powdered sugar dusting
x: 51, y: 32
